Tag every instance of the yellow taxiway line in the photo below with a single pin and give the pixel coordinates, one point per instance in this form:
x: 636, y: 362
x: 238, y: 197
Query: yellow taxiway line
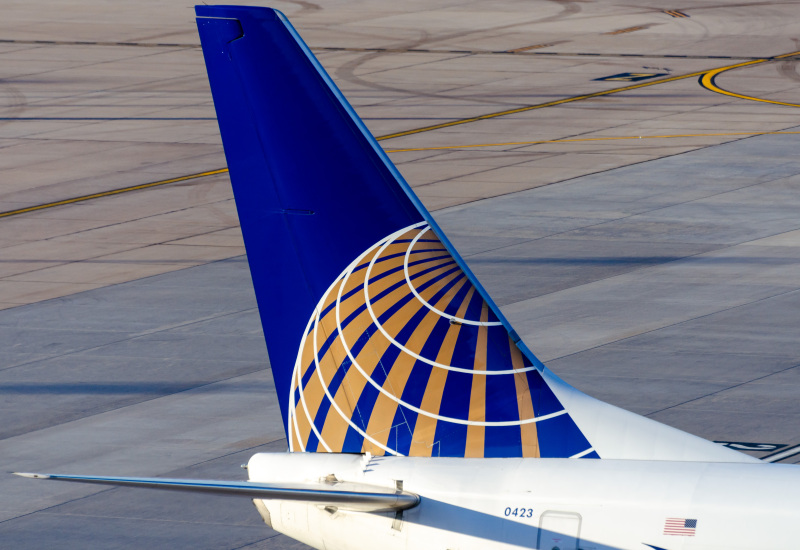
x: 581, y: 97
x: 543, y: 105
x: 110, y: 193
x: 707, y: 80
x: 442, y: 147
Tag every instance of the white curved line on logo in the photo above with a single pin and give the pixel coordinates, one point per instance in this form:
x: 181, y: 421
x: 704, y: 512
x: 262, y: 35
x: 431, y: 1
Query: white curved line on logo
x: 426, y: 304
x: 380, y: 388
x: 315, y: 320
x: 325, y: 385
x: 583, y: 453
x: 401, y: 346
x: 295, y: 376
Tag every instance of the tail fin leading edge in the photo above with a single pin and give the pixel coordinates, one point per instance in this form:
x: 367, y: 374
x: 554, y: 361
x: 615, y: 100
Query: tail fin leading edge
x: 379, y: 336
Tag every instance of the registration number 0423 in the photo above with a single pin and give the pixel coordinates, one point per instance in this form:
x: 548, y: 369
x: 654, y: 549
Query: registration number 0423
x: 518, y: 512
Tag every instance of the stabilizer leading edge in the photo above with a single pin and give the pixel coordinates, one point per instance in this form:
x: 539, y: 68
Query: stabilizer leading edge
x: 347, y: 496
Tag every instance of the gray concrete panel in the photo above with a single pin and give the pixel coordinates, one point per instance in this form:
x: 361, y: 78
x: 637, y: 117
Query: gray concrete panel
x: 644, y: 243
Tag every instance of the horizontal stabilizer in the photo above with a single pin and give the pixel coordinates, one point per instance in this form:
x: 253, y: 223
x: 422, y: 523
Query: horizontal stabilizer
x: 345, y: 496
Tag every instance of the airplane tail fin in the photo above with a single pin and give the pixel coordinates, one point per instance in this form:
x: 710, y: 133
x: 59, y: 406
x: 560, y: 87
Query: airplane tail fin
x: 379, y: 336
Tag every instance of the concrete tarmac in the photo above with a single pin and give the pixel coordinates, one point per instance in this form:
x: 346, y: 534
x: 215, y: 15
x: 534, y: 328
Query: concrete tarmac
x: 644, y: 241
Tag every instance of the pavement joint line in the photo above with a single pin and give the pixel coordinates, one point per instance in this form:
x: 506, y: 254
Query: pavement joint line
x: 673, y: 324
x: 51, y: 506
x: 458, y: 122
x: 173, y: 472
x: 733, y: 386
x: 411, y: 149
x: 690, y: 256
x: 253, y: 543
x: 527, y: 51
x: 574, y: 140
x: 599, y: 223
x: 131, y: 337
x: 678, y: 323
x: 153, y: 519
x: 518, y: 51
x: 202, y: 386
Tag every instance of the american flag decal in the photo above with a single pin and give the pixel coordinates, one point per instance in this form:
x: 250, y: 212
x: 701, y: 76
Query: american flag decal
x: 680, y: 527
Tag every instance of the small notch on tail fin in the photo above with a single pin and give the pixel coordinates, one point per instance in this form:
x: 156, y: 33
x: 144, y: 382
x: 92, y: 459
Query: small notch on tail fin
x: 296, y: 212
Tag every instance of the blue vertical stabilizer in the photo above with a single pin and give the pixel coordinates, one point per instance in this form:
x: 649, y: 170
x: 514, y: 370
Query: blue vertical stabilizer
x: 380, y: 338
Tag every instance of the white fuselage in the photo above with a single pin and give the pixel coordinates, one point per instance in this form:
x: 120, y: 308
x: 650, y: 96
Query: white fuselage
x: 566, y: 504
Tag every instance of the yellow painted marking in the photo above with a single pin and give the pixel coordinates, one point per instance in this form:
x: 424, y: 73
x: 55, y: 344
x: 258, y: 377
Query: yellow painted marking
x: 424, y: 129
x: 623, y: 31
x: 560, y: 101
x: 528, y: 48
x: 707, y: 81
x: 577, y: 140
x: 110, y: 193
x: 675, y: 13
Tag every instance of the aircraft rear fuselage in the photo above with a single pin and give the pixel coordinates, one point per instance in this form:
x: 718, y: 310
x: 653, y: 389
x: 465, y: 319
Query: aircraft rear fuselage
x: 543, y: 503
